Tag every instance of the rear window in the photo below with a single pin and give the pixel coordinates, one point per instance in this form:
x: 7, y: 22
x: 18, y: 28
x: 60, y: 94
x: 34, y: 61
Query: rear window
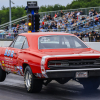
x: 60, y: 41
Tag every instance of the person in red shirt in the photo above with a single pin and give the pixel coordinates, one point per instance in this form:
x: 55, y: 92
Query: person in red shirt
x: 96, y: 20
x: 42, y: 23
x: 55, y: 16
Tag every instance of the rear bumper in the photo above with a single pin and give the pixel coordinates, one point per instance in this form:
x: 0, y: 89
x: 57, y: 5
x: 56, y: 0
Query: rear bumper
x: 71, y: 73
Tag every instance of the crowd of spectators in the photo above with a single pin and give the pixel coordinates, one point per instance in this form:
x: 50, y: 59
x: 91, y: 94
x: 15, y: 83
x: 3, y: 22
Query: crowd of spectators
x: 70, y: 19
x: 89, y: 36
x: 74, y: 22
x: 15, y: 30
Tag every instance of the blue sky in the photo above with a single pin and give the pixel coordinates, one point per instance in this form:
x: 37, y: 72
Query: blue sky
x: 40, y: 2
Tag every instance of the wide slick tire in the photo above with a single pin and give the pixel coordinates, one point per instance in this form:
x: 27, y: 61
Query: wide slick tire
x: 32, y: 84
x: 90, y: 83
x: 2, y: 75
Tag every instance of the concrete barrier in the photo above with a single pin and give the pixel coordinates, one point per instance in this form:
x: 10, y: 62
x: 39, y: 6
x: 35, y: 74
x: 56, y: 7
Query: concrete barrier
x: 93, y: 45
x: 5, y: 43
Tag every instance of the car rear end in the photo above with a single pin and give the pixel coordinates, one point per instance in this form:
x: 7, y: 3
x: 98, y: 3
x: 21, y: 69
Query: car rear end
x: 72, y: 66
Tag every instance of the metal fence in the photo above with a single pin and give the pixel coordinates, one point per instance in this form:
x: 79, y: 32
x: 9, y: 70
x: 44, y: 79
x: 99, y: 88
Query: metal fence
x: 84, y: 10
x: 10, y: 35
x: 52, y: 13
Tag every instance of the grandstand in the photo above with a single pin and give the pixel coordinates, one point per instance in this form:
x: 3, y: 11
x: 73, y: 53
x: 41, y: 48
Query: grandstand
x: 82, y: 22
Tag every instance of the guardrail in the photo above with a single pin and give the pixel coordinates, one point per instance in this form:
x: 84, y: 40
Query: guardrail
x: 52, y: 13
x: 12, y: 22
x: 11, y: 35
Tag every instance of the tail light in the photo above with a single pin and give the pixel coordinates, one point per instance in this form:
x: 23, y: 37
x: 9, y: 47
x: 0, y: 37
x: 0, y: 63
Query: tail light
x: 42, y: 66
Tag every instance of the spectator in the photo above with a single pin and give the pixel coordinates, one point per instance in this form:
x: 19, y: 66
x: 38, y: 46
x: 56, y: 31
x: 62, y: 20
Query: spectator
x: 61, y: 13
x: 81, y: 13
x: 94, y: 12
x: 82, y: 36
x: 52, y: 26
x: 94, y: 36
x: 96, y: 20
x: 46, y: 25
x: 6, y: 29
x: 55, y: 16
x: 83, y: 18
x: 49, y: 17
x: 77, y: 34
x: 90, y: 36
x: 98, y: 37
x: 90, y: 13
x: 23, y: 21
x: 13, y: 26
x: 17, y: 27
x: 25, y: 28
x: 86, y: 35
x: 66, y: 22
x: 42, y: 22
x: 41, y: 26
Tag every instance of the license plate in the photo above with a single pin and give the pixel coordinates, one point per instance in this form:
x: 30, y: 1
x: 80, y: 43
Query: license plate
x: 81, y: 74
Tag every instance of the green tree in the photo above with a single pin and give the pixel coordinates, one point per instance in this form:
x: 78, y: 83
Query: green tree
x: 19, y: 11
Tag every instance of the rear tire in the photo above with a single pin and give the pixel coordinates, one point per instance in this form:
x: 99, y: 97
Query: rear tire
x: 90, y: 83
x: 31, y: 83
x: 2, y: 75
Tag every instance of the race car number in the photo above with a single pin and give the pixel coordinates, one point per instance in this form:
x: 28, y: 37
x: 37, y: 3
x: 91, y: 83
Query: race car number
x: 9, y: 53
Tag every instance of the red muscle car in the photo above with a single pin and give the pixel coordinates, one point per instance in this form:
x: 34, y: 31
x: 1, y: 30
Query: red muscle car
x: 43, y: 57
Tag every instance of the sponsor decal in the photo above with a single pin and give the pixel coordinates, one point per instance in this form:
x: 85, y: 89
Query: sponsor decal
x: 9, y: 53
x: 6, y: 65
x: 7, y: 59
x: 18, y: 67
x: 18, y: 73
x: 11, y: 66
x: 15, y: 67
x: 2, y: 61
x: 44, y: 75
x: 39, y: 75
x: 9, y: 70
x: 25, y: 60
x: 20, y: 70
x: 15, y: 72
x: 3, y: 65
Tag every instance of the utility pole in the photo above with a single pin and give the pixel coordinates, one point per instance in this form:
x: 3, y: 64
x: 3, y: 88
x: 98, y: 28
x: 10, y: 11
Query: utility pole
x: 10, y: 14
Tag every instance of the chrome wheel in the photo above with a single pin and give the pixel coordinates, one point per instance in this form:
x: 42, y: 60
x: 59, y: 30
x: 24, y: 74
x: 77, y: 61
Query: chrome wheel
x: 31, y: 83
x: 28, y: 80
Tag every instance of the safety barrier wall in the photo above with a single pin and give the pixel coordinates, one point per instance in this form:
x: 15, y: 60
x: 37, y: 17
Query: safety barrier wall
x: 93, y: 45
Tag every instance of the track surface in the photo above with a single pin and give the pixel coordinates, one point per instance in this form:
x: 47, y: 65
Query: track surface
x: 13, y: 89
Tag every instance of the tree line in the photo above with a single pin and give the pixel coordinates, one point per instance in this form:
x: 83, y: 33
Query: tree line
x: 18, y: 11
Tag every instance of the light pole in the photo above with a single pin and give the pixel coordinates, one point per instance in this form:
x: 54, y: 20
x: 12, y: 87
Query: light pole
x: 10, y: 13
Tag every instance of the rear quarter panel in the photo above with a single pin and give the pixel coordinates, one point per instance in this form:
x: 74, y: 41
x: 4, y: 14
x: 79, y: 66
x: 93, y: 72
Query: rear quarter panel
x: 34, y: 61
